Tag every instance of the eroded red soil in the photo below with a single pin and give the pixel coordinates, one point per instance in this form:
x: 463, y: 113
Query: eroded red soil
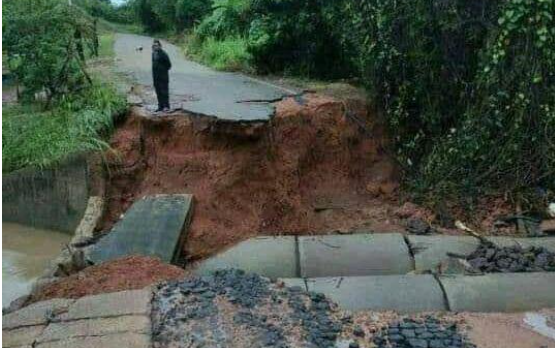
x: 312, y: 169
x: 133, y: 272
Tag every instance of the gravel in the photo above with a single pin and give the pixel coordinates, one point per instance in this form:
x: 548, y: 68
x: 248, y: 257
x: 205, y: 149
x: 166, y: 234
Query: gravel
x: 492, y: 259
x: 232, y: 308
x: 425, y: 332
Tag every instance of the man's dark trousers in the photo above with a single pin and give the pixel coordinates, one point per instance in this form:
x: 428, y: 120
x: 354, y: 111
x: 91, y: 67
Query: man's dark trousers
x: 161, y: 86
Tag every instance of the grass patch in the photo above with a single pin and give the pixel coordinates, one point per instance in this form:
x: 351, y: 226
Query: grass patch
x: 38, y: 138
x: 227, y: 55
x: 106, y: 45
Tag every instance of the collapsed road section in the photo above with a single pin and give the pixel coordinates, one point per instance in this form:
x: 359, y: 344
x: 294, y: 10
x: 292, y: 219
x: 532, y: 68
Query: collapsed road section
x: 309, y: 169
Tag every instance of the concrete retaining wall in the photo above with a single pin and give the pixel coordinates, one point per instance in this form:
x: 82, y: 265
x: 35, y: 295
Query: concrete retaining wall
x: 354, y: 255
x: 53, y: 198
x: 349, y: 255
x: 506, y: 292
x: 401, y: 293
x: 290, y: 257
x: 500, y: 292
x: 271, y: 257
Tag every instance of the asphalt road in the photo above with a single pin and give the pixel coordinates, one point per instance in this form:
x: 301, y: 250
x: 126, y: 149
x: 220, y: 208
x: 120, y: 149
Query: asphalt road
x: 196, y: 88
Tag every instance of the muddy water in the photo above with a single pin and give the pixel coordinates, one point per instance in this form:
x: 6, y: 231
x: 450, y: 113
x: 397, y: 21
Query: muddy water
x: 26, y: 252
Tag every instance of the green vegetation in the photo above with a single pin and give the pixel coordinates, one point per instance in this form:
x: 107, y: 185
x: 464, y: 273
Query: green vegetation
x: 106, y: 45
x: 32, y: 136
x: 49, y: 61
x: 229, y: 54
x: 64, y: 109
x: 118, y: 15
x: 468, y: 87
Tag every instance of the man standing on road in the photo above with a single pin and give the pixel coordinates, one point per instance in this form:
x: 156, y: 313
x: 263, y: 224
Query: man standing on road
x: 161, y: 64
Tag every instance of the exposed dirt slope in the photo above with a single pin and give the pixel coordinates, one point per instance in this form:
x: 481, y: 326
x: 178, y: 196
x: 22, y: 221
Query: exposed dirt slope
x: 313, y: 169
x: 133, y: 272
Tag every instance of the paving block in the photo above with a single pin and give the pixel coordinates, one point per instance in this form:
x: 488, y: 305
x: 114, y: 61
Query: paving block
x: 123, y: 340
x: 95, y: 327
x: 500, y: 292
x: 430, y: 251
x: 21, y: 336
x: 130, y: 302
x: 272, y: 257
x: 354, y: 255
x: 35, y: 314
x: 153, y: 226
x: 402, y: 293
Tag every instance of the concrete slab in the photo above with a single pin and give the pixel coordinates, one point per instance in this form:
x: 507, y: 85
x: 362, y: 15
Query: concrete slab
x: 35, y: 314
x: 122, y: 340
x: 196, y: 88
x: 402, y: 293
x: 354, y: 255
x: 153, y: 226
x: 503, y: 292
x: 272, y: 257
x: 95, y: 327
x: 21, y: 336
x: 130, y: 302
x: 430, y: 251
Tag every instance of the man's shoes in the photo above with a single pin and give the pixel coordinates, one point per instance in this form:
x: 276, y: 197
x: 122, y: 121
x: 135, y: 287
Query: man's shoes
x: 166, y: 109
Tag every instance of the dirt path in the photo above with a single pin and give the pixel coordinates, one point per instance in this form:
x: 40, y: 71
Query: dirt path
x: 197, y: 88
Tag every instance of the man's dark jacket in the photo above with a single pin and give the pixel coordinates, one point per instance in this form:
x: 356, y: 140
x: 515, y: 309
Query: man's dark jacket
x: 161, y: 64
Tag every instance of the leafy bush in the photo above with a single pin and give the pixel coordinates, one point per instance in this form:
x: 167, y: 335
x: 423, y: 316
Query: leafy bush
x: 144, y: 10
x: 43, y: 40
x: 506, y: 138
x: 229, y: 54
x: 34, y: 137
x: 229, y: 18
x: 468, y: 89
x: 170, y: 15
x: 190, y: 12
x: 296, y: 37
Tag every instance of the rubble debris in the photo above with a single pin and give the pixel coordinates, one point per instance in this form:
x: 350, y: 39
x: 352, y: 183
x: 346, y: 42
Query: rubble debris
x: 238, y: 309
x: 492, y: 259
x: 419, y: 227
x: 426, y: 332
x: 525, y: 224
